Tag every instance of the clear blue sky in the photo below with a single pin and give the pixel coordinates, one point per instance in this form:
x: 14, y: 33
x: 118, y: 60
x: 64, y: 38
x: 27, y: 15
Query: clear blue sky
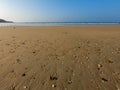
x: 60, y: 10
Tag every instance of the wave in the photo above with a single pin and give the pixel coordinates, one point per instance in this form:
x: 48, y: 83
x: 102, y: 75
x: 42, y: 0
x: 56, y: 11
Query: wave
x: 57, y: 23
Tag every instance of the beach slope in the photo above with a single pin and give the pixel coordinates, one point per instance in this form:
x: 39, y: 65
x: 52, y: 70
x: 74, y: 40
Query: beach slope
x: 60, y: 58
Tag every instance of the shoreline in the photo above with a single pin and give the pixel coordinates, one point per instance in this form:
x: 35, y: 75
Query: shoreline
x: 70, y: 26
x: 55, y: 24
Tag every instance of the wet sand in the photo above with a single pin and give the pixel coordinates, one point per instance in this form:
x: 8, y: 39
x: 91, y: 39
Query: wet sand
x: 60, y: 58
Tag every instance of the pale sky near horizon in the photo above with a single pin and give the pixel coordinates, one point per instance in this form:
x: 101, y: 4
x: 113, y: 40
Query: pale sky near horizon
x: 60, y: 10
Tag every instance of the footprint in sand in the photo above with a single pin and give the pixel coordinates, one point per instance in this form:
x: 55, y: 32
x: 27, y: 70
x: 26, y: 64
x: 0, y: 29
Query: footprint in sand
x: 18, y: 61
x: 110, y: 61
x: 12, y: 51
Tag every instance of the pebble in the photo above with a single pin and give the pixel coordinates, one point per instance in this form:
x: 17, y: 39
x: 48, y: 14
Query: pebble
x: 23, y: 74
x: 33, y: 52
x: 112, y: 52
x: 99, y: 66
x: 53, y: 85
x: 12, y: 71
x: 118, y: 49
x: 104, y: 79
x: 13, y: 87
x: 117, y: 87
x: 25, y: 87
x: 69, y: 82
x: 53, y: 78
x: 87, y: 57
x: 110, y: 61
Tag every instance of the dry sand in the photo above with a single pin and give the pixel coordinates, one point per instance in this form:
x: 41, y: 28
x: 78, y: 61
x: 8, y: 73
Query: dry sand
x: 60, y: 58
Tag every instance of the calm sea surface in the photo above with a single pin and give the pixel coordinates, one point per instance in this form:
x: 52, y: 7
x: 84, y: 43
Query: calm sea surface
x: 56, y: 23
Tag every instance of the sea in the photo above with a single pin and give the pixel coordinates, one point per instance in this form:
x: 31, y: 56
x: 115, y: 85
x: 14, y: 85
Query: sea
x: 57, y: 23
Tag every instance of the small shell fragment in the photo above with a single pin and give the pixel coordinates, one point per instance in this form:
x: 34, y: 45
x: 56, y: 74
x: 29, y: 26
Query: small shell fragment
x: 53, y: 85
x: 25, y: 87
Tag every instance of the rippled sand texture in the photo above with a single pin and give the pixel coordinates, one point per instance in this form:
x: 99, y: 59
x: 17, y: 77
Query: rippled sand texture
x: 60, y: 58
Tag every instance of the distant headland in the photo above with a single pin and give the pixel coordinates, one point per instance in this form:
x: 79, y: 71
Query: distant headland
x: 4, y: 21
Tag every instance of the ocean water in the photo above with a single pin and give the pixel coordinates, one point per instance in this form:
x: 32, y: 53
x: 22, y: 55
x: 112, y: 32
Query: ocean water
x: 57, y: 23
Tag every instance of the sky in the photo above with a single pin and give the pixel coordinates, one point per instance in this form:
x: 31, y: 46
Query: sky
x: 60, y: 10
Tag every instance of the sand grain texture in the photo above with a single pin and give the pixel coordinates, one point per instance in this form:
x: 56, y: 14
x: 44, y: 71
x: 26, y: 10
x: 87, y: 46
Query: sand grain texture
x: 60, y: 58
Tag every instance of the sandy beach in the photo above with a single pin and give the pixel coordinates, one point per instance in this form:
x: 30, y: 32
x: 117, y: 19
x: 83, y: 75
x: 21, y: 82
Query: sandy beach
x: 60, y: 58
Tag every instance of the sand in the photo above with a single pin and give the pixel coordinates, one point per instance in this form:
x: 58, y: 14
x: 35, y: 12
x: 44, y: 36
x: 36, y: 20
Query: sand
x: 60, y: 58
